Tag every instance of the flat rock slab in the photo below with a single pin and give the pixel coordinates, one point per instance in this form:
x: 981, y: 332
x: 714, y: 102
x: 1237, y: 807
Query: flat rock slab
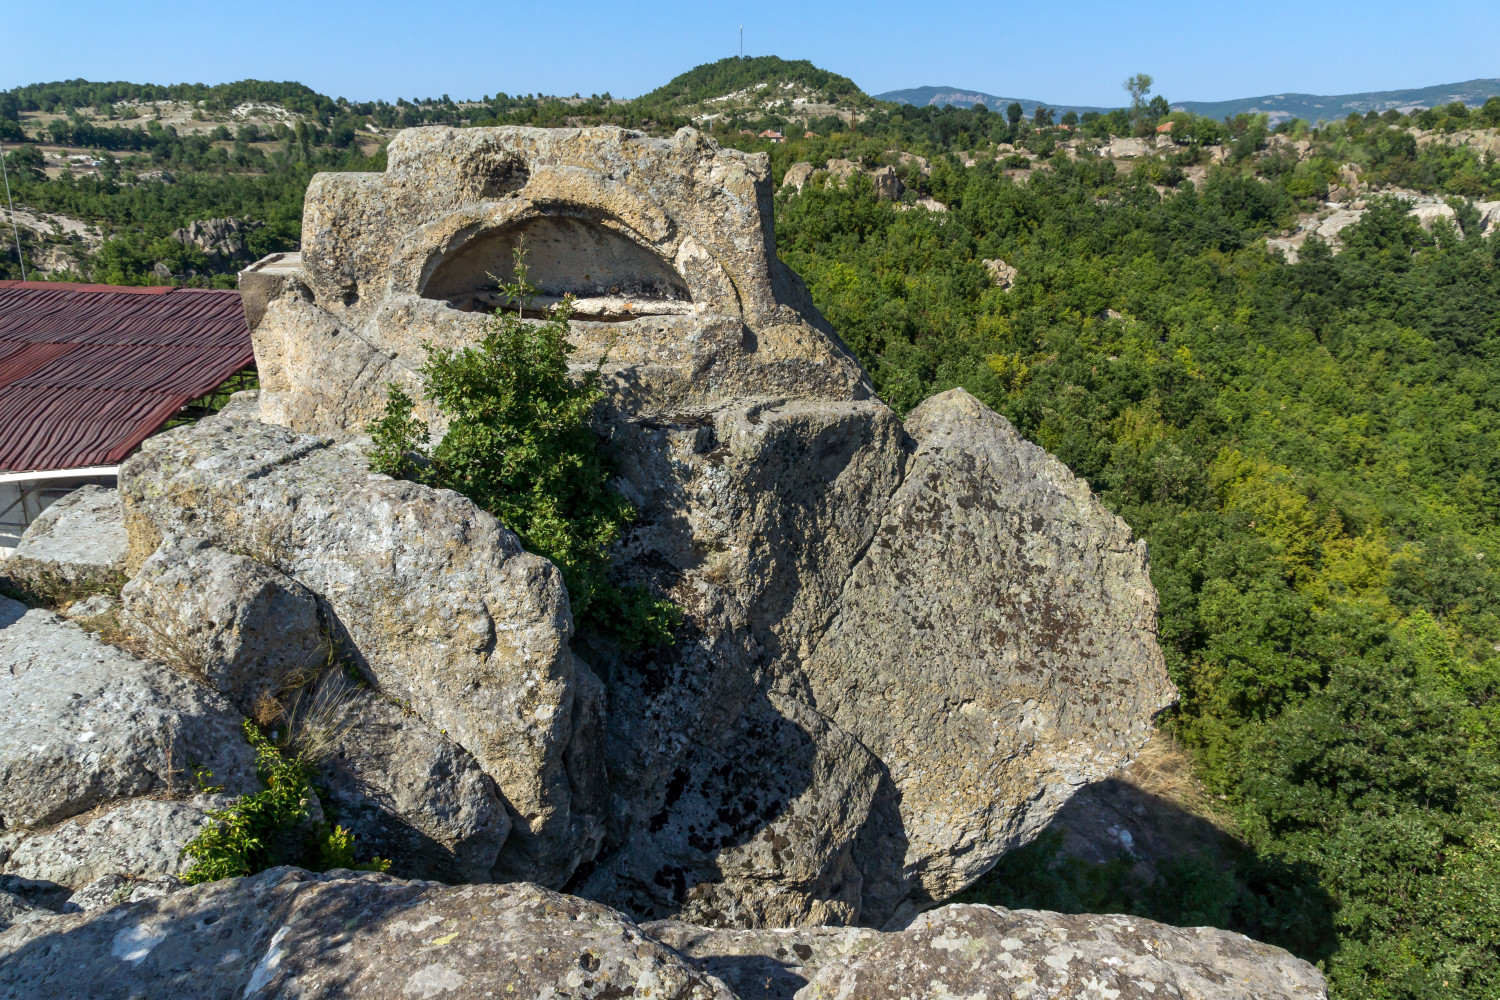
x: 88, y: 723
x: 990, y: 953
x: 288, y: 933
x: 142, y: 838
x: 77, y: 542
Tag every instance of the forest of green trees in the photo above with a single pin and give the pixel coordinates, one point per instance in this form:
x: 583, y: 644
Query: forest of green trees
x: 1311, y: 449
x: 1312, y: 452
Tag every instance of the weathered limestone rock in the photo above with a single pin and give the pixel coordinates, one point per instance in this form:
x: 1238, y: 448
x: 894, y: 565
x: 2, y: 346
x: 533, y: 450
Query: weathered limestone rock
x: 1124, y: 147
x: 758, y: 829
x: 995, y: 648
x: 77, y: 543
x: 665, y: 244
x: 91, y: 608
x: 438, y: 601
x: 797, y: 175
x: 1002, y: 274
x: 1426, y: 215
x: 242, y: 627
x: 888, y: 186
x: 770, y: 964
x: 143, y: 838
x: 410, y: 794
x: 990, y: 953
x: 112, y: 890
x: 287, y: 932
x: 88, y: 723
x: 751, y: 516
x: 23, y: 899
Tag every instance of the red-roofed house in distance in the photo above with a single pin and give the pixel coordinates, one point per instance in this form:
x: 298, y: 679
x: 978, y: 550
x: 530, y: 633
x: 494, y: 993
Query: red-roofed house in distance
x: 87, y: 372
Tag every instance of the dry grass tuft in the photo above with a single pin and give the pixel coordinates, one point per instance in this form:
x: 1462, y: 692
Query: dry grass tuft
x: 319, y: 718
x: 267, y: 711
x: 1164, y: 769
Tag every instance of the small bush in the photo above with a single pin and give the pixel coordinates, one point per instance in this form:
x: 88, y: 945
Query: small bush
x: 519, y: 445
x: 261, y: 830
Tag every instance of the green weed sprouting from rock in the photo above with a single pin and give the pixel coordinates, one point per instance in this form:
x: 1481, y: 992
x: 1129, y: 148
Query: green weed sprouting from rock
x: 519, y: 444
x: 260, y: 830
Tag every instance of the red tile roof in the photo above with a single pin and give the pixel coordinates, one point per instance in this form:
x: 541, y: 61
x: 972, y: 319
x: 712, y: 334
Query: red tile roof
x: 89, y: 371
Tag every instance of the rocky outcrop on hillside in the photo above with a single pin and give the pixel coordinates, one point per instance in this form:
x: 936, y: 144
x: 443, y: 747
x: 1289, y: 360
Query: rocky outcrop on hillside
x: 221, y: 240
x: 888, y: 185
x: 904, y: 646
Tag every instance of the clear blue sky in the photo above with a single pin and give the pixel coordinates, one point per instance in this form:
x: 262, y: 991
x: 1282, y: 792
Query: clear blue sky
x: 1070, y: 53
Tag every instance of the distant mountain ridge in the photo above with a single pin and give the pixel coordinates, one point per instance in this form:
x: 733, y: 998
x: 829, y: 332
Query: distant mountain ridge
x: 1281, y: 107
x: 960, y: 98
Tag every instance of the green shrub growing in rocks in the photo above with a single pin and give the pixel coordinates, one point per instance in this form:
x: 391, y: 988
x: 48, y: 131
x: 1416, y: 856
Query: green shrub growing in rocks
x: 519, y: 444
x: 271, y: 827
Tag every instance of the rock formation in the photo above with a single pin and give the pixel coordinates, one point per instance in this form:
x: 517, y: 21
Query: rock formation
x: 984, y: 951
x: 745, y: 776
x: 904, y: 646
x: 88, y: 724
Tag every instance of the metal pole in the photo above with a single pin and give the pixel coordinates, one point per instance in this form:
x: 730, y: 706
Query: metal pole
x: 15, y: 228
x: 742, y: 41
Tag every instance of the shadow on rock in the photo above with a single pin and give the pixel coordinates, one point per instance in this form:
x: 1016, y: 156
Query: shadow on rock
x: 1118, y: 848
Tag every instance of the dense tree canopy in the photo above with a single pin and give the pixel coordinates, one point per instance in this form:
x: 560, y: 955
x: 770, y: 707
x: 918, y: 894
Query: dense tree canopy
x: 1310, y: 451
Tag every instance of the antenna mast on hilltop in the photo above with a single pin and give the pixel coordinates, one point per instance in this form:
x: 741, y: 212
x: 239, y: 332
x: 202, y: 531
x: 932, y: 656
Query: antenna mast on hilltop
x: 742, y: 41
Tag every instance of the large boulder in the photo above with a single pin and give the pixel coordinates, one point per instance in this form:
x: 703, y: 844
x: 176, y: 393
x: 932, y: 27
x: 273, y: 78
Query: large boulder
x: 433, y: 596
x: 289, y: 933
x: 990, y: 953
x: 995, y: 647
x: 797, y: 175
x: 88, y: 723
x: 76, y: 545
x: 665, y: 245
x: 242, y: 627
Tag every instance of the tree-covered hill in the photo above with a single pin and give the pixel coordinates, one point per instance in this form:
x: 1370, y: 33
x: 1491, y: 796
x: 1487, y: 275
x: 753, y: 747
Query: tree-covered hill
x: 740, y: 75
x: 1310, y: 451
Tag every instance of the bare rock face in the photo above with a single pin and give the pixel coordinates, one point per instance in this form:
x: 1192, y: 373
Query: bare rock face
x: 88, y: 723
x: 990, y: 953
x: 77, y: 543
x: 243, y: 627
x: 995, y: 647
x: 141, y: 838
x: 286, y: 932
x: 1002, y: 274
x: 438, y: 601
x: 410, y: 794
x: 797, y: 175
x: 888, y: 186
